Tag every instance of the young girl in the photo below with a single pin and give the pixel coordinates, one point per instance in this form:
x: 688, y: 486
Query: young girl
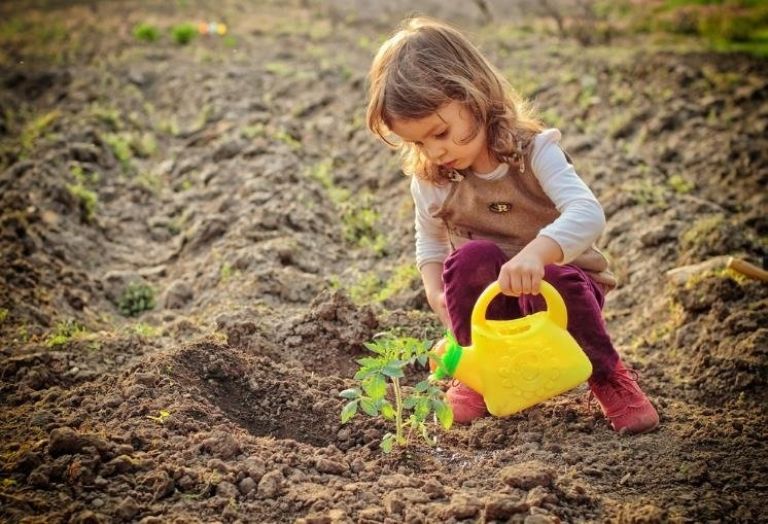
x: 496, y: 199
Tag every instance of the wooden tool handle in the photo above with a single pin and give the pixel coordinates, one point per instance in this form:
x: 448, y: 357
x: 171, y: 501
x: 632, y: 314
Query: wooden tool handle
x: 745, y: 268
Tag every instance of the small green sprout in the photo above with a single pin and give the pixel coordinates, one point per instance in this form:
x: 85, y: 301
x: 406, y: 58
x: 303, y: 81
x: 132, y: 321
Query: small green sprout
x: 136, y: 298
x: 64, y: 331
x: 183, y: 33
x: 146, y: 32
x: 412, y: 406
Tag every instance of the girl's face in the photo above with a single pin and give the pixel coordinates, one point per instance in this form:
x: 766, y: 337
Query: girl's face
x: 440, y: 136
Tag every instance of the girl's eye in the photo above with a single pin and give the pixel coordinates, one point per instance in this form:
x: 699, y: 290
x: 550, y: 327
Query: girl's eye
x: 442, y: 134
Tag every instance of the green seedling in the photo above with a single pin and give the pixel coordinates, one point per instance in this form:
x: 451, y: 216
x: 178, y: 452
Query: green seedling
x: 144, y: 330
x: 64, y: 331
x: 412, y: 405
x: 146, y: 32
x: 87, y: 200
x: 183, y: 33
x: 136, y: 298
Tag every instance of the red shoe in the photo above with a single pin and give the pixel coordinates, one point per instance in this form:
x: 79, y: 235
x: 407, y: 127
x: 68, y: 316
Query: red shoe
x: 466, y: 404
x: 624, y: 403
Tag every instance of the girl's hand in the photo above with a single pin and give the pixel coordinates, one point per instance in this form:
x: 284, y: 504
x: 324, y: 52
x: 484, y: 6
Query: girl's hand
x: 522, y: 274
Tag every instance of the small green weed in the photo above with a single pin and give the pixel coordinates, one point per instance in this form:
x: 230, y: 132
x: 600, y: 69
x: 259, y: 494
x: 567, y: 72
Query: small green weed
x: 150, y: 181
x: 359, y: 220
x: 257, y: 130
x: 703, y: 231
x: 402, y: 278
x: 364, y: 288
x: 88, y: 200
x: 360, y: 224
x: 370, y: 287
x: 226, y: 272
x: 107, y: 115
x: 144, y: 145
x: 412, y: 406
x: 183, y: 33
x: 322, y: 172
x: 64, y: 331
x: 144, y: 330
x: 680, y: 185
x: 136, y: 298
x: 146, y: 32
x: 121, y: 147
x: 36, y: 128
x: 647, y: 193
x: 288, y: 139
x: 3, y: 314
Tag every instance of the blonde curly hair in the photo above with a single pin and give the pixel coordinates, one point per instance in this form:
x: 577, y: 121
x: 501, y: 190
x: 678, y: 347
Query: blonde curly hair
x: 427, y: 64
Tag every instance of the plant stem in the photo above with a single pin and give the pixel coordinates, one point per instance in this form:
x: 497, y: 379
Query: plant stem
x: 398, y: 410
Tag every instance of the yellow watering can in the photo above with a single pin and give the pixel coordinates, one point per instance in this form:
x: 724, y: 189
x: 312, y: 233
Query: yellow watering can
x: 517, y: 363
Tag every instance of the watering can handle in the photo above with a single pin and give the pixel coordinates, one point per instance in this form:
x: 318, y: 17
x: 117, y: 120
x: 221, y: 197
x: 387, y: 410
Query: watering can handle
x: 555, y: 304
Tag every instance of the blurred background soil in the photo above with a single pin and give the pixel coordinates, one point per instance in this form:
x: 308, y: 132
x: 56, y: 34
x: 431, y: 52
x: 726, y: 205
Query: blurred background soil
x: 198, y: 235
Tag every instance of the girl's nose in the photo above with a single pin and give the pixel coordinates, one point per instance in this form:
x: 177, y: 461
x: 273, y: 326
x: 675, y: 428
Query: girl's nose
x: 435, y: 153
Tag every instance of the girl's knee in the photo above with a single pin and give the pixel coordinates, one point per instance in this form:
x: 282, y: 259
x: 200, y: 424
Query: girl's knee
x: 567, y: 277
x: 574, y: 284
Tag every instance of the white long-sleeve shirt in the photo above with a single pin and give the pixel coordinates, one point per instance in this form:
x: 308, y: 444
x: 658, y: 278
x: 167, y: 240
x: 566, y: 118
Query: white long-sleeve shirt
x: 581, y: 219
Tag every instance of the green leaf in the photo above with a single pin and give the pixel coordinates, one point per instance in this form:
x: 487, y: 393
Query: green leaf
x: 410, y: 402
x: 348, y: 411
x: 375, y: 347
x: 363, y: 373
x: 422, y: 408
x: 387, y: 442
x: 387, y: 411
x: 422, y: 386
x: 443, y: 413
x: 422, y: 360
x: 392, y: 370
x: 369, y: 406
x: 369, y: 363
x: 350, y: 394
x: 375, y: 386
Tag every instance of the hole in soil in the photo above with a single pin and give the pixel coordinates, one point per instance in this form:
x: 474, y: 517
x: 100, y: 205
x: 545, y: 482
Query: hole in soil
x: 260, y: 395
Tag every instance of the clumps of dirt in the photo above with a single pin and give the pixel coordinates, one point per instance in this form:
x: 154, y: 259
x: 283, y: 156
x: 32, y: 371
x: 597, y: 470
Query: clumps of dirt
x: 722, y: 339
x: 42, y: 370
x: 330, y: 335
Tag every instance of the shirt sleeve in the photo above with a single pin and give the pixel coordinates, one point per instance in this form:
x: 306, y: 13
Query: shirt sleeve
x: 581, y: 219
x: 432, y: 243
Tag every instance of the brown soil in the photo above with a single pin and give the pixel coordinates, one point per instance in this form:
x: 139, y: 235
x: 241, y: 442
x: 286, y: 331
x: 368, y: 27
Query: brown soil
x: 221, y: 404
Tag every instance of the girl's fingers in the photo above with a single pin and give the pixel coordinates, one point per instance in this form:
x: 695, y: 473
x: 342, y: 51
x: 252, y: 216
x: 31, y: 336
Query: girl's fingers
x: 526, y: 284
x: 505, y: 283
x: 516, y: 284
x: 535, y: 284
